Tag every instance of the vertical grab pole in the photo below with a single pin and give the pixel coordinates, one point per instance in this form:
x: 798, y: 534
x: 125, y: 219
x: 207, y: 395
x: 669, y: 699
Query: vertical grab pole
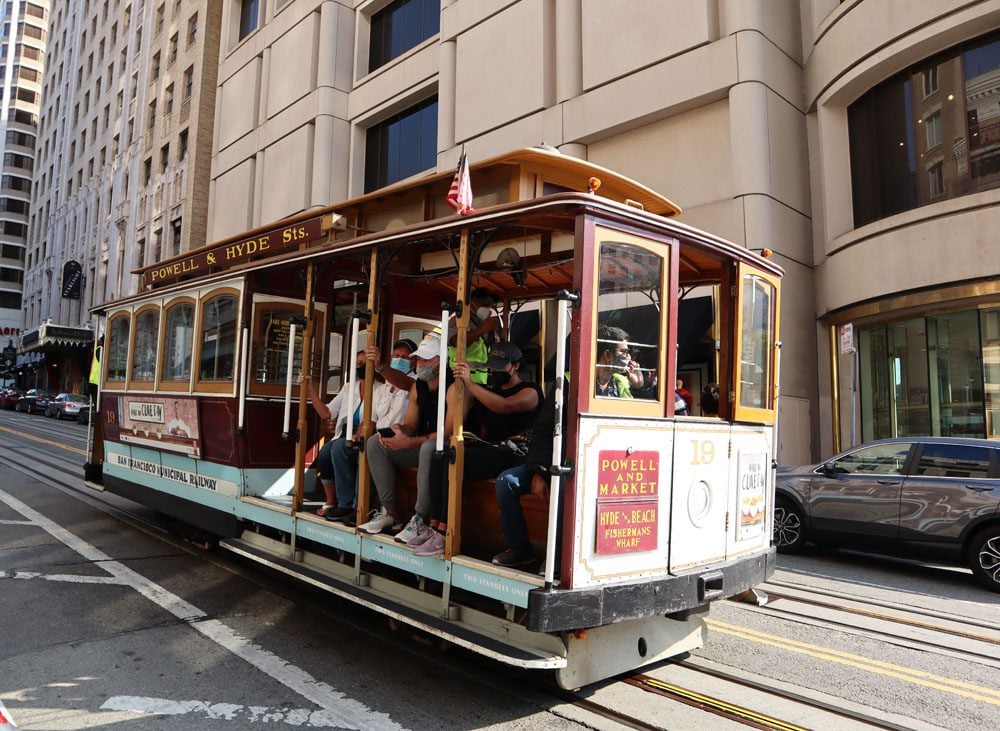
x: 288, y: 381
x: 364, y: 475
x: 442, y: 379
x: 244, y: 367
x: 456, y: 470
x: 305, y: 368
x: 352, y: 383
x: 555, y: 470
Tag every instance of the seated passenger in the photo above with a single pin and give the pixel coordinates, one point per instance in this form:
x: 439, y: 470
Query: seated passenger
x: 710, y: 400
x: 531, y: 476
x: 412, y: 443
x: 388, y: 407
x: 503, y: 409
x: 616, y: 372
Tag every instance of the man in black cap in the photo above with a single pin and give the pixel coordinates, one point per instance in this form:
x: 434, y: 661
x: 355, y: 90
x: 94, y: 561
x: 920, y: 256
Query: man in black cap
x: 503, y: 408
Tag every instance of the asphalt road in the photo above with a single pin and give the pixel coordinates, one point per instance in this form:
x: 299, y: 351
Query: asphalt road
x: 110, y: 625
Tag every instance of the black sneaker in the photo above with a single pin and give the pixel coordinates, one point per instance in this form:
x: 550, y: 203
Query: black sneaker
x: 339, y: 515
x: 515, y: 557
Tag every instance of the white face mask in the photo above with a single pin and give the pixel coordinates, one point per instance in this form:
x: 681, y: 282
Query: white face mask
x: 484, y: 313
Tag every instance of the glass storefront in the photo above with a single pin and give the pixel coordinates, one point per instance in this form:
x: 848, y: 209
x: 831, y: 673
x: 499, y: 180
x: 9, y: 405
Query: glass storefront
x: 935, y: 375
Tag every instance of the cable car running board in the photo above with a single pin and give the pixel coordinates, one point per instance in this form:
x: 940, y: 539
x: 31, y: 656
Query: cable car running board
x: 476, y: 641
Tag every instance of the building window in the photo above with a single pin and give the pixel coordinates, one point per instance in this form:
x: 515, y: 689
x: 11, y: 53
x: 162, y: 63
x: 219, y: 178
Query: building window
x: 172, y: 49
x: 401, y: 146
x: 192, y: 29
x: 935, y: 179
x: 400, y: 26
x: 188, y: 82
x: 164, y: 157
x: 182, y: 145
x: 887, y: 144
x: 249, y: 17
x: 930, y: 77
x: 175, y: 236
x: 156, y: 66
x: 147, y: 170
x: 168, y: 102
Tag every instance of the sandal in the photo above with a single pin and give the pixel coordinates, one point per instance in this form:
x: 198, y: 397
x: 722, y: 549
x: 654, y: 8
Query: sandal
x: 321, y: 512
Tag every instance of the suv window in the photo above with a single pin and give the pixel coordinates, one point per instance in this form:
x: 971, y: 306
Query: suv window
x: 954, y: 460
x: 878, y: 459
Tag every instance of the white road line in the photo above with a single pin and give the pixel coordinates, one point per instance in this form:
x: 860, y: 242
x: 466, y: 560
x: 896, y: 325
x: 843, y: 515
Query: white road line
x: 71, y: 578
x: 222, y: 711
x: 16, y: 522
x: 345, y: 711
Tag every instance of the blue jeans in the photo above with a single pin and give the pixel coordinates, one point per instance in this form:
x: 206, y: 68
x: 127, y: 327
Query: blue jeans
x: 511, y: 485
x: 338, y: 463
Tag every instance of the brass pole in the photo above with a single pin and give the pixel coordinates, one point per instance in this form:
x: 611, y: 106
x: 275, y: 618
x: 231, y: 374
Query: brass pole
x: 300, y: 444
x: 364, y: 476
x: 453, y: 538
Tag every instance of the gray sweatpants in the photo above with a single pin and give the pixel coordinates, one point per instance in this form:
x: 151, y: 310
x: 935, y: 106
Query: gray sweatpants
x: 383, y: 462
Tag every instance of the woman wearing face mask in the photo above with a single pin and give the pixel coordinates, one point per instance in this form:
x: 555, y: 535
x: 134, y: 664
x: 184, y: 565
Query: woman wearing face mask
x: 502, y: 409
x: 614, y: 363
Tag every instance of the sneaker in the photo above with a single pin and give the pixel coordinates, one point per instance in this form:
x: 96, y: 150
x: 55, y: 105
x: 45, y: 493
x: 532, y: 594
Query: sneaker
x: 433, y: 546
x: 411, y: 529
x: 378, y: 521
x: 323, y: 510
x: 513, y: 557
x: 420, y: 537
x: 338, y: 515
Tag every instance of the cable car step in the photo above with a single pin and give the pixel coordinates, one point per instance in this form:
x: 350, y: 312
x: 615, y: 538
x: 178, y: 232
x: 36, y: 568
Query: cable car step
x: 455, y: 632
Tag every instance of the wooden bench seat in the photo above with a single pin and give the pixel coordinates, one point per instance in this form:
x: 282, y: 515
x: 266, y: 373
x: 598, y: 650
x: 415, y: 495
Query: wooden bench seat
x: 482, y: 536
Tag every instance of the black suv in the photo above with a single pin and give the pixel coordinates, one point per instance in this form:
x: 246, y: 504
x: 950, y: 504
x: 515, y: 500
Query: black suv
x: 939, y: 496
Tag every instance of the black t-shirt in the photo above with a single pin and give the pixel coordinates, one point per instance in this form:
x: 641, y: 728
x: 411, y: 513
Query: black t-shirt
x: 496, y: 427
x: 427, y: 403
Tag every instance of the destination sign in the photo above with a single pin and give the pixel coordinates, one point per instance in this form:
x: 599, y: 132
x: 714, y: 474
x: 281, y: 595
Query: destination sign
x: 229, y: 253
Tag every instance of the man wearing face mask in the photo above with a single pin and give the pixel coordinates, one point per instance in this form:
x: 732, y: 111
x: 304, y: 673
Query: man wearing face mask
x: 483, y: 324
x: 338, y: 460
x: 412, y: 443
x: 498, y: 411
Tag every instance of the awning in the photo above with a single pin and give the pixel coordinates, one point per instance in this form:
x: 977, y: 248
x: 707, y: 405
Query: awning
x: 50, y: 337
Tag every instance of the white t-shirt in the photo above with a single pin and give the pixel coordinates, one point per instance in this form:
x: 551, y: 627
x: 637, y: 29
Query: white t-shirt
x: 388, y: 406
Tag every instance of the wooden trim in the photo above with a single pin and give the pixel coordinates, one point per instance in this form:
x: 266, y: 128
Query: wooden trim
x: 116, y: 385
x: 905, y: 306
x: 767, y: 414
x: 149, y: 385
x: 161, y: 368
x: 202, y: 386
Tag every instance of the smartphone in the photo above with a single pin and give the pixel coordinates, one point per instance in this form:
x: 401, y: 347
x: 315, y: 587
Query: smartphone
x: 387, y: 432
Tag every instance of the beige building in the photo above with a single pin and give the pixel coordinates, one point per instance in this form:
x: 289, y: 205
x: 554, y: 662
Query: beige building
x: 121, y: 176
x: 22, y: 63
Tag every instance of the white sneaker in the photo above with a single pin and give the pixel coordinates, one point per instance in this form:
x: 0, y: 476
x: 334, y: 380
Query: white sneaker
x: 411, y: 529
x: 378, y: 521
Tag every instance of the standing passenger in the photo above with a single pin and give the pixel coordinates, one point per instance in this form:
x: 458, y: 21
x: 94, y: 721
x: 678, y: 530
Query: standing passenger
x: 614, y: 363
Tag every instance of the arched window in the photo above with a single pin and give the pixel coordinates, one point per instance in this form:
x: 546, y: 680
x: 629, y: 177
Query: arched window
x: 178, y: 342
x: 147, y: 331
x: 117, y: 356
x: 218, y: 339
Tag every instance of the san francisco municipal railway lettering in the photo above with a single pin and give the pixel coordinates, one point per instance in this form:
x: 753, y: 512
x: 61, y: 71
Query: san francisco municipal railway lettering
x: 226, y: 254
x: 185, y: 477
x: 627, y: 501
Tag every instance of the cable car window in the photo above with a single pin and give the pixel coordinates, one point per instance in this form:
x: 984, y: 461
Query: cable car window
x: 118, y: 348
x: 218, y: 344
x: 271, y: 354
x: 627, y: 351
x: 147, y: 326
x: 179, y: 339
x: 756, y: 342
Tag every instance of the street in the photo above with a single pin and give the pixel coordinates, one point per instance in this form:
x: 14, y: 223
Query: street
x: 108, y: 620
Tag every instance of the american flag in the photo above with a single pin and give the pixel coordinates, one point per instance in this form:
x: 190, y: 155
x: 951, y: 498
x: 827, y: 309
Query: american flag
x: 460, y: 194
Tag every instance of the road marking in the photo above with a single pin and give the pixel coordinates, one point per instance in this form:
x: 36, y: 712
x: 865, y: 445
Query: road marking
x: 44, y: 441
x: 16, y: 522
x: 222, y: 711
x: 71, y: 578
x: 346, y: 712
x: 879, y: 667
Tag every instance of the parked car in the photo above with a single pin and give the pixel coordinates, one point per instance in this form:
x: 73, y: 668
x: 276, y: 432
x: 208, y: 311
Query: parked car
x: 66, y: 405
x: 937, y: 496
x: 33, y: 401
x: 8, y: 400
x: 83, y: 416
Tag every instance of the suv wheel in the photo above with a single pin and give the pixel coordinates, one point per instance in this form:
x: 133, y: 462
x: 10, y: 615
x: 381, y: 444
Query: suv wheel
x: 984, y: 557
x: 789, y: 526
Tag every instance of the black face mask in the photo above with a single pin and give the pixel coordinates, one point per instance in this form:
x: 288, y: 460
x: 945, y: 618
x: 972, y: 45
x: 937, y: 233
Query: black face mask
x: 359, y: 373
x: 497, y: 380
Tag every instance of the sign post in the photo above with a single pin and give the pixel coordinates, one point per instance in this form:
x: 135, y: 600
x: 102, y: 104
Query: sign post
x: 847, y: 348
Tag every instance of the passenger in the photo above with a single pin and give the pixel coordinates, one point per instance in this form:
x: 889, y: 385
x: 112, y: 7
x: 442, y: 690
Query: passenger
x: 685, y: 394
x: 389, y: 404
x: 502, y: 411
x: 531, y: 476
x: 613, y: 376
x: 710, y: 400
x: 338, y: 406
x: 483, y: 324
x: 399, y: 370
x: 412, y: 443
